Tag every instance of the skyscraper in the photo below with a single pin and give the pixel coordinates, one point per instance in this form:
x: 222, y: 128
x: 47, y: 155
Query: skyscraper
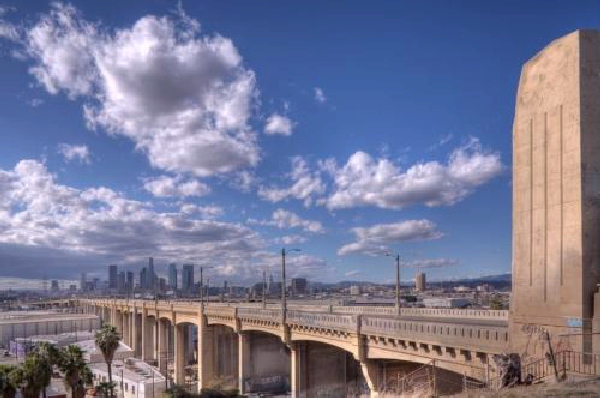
x: 144, y: 278
x: 151, y: 277
x: 299, y: 286
x: 130, y: 282
x: 83, y: 282
x: 420, y: 282
x: 173, y: 276
x: 187, y: 277
x: 121, y: 282
x: 112, y: 276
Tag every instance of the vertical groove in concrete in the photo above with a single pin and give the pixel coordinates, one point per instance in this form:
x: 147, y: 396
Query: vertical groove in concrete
x: 561, y: 194
x: 545, y: 205
x: 531, y: 202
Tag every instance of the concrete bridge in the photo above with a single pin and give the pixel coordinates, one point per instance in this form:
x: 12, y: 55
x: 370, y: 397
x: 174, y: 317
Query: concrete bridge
x: 308, y: 346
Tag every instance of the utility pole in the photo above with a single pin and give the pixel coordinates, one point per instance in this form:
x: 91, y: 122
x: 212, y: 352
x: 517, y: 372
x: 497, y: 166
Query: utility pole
x: 264, y: 293
x: 397, y: 285
x: 283, y: 292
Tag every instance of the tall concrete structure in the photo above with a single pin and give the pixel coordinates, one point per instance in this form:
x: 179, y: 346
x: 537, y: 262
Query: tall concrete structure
x: 112, y: 276
x: 187, y: 277
x: 151, y: 276
x: 173, y: 276
x: 556, y: 192
x: 420, y: 282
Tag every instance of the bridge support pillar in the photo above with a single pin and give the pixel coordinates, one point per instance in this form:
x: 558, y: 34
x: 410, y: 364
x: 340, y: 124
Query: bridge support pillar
x: 134, y: 332
x: 373, y: 374
x: 162, y: 346
x: 179, y: 357
x: 206, y: 360
x: 126, y: 325
x: 244, y: 364
x: 299, y: 371
x: 119, y: 323
x: 147, y: 336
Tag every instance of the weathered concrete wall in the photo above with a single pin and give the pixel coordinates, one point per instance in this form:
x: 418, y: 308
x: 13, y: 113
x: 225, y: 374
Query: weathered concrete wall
x: 555, y: 183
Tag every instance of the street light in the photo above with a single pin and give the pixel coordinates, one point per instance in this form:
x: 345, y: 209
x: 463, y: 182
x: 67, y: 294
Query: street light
x: 202, y: 286
x: 397, y: 304
x: 283, y: 290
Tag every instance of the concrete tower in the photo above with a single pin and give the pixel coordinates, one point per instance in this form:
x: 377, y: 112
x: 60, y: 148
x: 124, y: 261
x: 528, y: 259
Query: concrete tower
x: 556, y: 196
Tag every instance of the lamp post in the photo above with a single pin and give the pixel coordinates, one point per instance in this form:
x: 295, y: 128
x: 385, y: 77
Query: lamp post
x: 202, y: 286
x: 264, y: 288
x: 283, y: 290
x: 397, y: 302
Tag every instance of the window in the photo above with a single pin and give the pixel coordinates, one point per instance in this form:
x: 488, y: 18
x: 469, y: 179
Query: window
x: 126, y: 387
x: 132, y: 389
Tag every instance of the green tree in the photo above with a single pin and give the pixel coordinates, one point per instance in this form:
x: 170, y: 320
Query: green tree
x: 34, y: 375
x: 8, y: 386
x: 75, y: 370
x: 107, y: 339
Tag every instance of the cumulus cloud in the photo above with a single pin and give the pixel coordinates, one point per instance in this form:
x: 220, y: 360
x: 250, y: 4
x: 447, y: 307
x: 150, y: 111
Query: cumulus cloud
x: 320, y: 95
x: 207, y: 212
x: 431, y: 263
x: 374, y: 240
x: 165, y: 186
x: 75, y: 152
x: 289, y: 240
x: 37, y: 212
x: 354, y: 272
x: 184, y: 99
x: 284, y: 219
x: 277, y: 124
x: 365, y: 181
x: 306, y: 185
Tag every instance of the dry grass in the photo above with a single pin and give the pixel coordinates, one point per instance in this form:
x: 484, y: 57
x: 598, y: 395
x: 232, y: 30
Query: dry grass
x: 587, y: 388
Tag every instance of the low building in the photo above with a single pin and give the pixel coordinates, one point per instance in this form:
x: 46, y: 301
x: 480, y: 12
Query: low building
x: 133, y: 378
x: 92, y: 353
x: 446, y: 302
x: 25, y: 324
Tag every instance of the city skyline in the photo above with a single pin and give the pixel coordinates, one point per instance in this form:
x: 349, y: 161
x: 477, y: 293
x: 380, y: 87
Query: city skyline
x: 347, y: 147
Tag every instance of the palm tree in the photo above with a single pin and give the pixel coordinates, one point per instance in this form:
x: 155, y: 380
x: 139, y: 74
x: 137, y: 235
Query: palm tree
x: 34, y: 376
x: 75, y: 370
x: 8, y: 387
x: 107, y: 339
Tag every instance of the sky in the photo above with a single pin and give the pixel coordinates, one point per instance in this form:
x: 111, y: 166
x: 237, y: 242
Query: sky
x: 218, y: 133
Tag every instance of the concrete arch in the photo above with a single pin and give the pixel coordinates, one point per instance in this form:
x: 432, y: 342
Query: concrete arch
x: 448, y: 364
x: 348, y: 344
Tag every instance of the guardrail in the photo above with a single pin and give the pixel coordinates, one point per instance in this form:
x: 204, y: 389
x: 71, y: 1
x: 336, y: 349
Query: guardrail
x: 322, y: 320
x: 489, y: 337
x: 260, y: 314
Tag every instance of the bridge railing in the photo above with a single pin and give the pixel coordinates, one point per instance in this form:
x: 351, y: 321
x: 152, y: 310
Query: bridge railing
x: 219, y: 311
x: 322, y: 320
x: 483, y: 337
x: 456, y: 313
x: 271, y: 315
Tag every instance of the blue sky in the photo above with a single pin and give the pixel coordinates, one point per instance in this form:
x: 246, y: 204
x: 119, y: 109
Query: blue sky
x: 219, y: 132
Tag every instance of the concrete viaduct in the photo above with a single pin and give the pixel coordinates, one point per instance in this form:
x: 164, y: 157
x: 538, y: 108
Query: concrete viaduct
x: 312, y: 346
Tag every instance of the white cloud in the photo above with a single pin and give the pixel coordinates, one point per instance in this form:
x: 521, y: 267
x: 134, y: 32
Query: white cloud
x: 431, y: 263
x: 320, y: 95
x: 35, y: 102
x: 277, y: 124
x: 284, y: 219
x: 183, y: 98
x: 165, y: 186
x: 306, y: 185
x: 374, y: 240
x: 37, y: 212
x: 442, y: 141
x: 354, y: 272
x: 289, y: 240
x: 75, y: 152
x: 364, y: 181
x: 207, y: 212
